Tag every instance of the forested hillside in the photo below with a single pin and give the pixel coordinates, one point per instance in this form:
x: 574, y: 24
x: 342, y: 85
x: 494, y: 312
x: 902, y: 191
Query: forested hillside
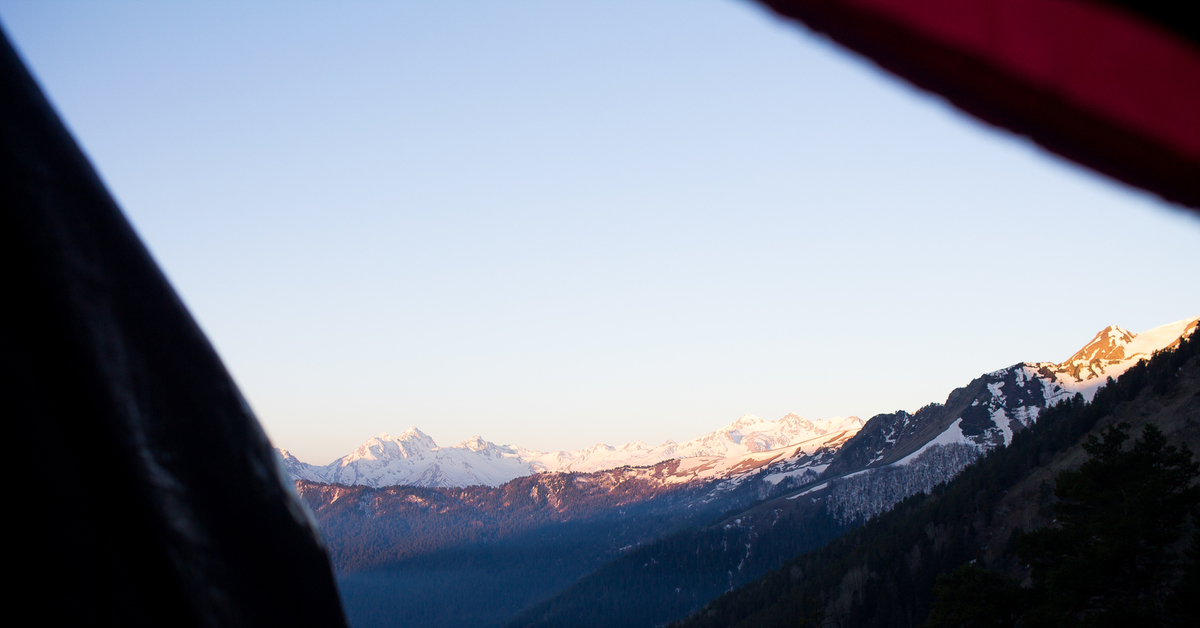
x: 884, y: 573
x: 668, y: 578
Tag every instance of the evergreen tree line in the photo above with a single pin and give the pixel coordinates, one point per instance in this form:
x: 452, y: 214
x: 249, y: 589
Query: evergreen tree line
x: 1112, y: 558
x: 673, y: 576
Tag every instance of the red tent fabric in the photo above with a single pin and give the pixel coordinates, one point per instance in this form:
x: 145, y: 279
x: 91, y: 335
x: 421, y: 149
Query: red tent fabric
x: 1113, y: 89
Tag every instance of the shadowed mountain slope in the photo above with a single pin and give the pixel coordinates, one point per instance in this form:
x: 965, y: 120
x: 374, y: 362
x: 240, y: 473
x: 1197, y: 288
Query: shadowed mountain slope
x: 882, y: 574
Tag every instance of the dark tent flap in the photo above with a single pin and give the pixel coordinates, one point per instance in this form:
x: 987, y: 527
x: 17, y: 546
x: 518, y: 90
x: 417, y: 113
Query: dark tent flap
x: 154, y: 497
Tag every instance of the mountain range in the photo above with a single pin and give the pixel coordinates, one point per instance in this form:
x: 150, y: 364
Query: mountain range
x: 1006, y: 401
x: 665, y: 529
x: 414, y: 459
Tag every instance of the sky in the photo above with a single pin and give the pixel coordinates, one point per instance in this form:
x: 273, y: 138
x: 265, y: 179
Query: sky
x: 556, y: 224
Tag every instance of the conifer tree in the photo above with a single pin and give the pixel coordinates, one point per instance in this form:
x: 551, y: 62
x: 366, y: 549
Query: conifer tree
x: 1110, y: 561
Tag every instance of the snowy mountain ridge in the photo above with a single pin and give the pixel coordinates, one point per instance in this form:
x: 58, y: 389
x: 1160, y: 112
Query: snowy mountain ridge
x: 1112, y: 352
x: 896, y: 455
x: 982, y: 415
x: 414, y: 459
x: 1109, y: 354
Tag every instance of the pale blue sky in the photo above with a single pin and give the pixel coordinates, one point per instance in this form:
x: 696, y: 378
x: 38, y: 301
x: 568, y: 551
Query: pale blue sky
x: 556, y: 225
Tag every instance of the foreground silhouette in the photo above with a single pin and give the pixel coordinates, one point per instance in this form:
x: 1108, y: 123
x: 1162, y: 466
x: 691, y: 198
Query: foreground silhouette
x: 1112, y: 560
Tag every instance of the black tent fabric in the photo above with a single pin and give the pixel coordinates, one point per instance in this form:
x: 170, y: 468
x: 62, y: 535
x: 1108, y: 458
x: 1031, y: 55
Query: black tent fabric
x: 145, y: 492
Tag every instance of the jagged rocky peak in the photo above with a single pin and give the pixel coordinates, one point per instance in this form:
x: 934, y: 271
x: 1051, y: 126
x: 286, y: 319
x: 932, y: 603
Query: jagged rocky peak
x: 297, y: 469
x: 789, y: 424
x: 1109, y: 344
x: 416, y: 437
x: 744, y: 421
x: 413, y: 443
x: 753, y: 434
x: 477, y: 443
x: 795, y: 420
x: 1115, y: 349
x: 1107, y: 348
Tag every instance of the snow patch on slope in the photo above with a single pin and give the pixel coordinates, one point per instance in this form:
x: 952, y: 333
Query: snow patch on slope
x: 953, y: 435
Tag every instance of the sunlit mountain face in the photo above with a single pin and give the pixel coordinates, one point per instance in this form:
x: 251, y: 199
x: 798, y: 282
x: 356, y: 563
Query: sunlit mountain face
x: 1114, y: 350
x: 1014, y: 397
x: 414, y: 459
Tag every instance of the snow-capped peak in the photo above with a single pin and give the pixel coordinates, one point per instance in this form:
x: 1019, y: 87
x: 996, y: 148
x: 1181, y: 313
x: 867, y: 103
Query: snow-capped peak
x: 476, y: 443
x: 745, y: 421
x: 1112, y: 351
x: 1108, y: 345
x: 415, y: 435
